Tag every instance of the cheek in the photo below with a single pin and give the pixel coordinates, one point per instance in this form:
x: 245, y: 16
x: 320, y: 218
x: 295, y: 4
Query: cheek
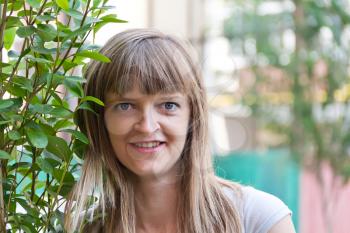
x: 177, y: 129
x: 118, y: 145
x: 116, y: 126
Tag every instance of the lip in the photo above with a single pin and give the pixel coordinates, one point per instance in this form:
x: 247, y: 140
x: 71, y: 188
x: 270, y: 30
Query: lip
x: 147, y: 140
x: 148, y: 150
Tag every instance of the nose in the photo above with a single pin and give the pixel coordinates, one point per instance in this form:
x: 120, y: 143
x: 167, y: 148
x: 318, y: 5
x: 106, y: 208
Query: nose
x: 148, y: 122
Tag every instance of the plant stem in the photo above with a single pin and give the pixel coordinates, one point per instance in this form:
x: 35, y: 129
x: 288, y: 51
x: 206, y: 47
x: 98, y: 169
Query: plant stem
x: 2, y: 92
x: 56, y: 195
x: 2, y: 167
x: 74, y: 39
x: 39, y: 12
x: 34, y: 151
x: 2, y: 32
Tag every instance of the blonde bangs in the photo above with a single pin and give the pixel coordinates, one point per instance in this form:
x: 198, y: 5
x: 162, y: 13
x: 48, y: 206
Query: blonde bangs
x: 154, y: 65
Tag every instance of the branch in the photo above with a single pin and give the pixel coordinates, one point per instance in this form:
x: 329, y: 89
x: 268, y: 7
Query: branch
x: 75, y: 38
x: 2, y: 92
x: 39, y: 12
x: 2, y: 33
x: 2, y: 168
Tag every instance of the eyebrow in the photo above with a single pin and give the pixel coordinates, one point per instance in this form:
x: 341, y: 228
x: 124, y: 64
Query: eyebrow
x: 162, y: 97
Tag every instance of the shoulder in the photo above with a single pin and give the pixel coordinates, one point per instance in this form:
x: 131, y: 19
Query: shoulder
x: 259, y: 211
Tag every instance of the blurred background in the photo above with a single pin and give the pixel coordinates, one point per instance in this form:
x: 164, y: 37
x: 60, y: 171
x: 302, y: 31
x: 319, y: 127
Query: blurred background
x: 277, y: 75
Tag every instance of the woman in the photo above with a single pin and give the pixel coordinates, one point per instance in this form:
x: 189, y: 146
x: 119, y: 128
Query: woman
x: 148, y: 163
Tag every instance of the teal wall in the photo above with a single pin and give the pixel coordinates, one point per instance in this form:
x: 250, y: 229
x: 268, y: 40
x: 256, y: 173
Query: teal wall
x: 272, y: 171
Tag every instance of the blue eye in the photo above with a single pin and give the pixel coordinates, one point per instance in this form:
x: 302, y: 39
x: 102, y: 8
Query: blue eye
x: 170, y: 106
x: 123, y: 106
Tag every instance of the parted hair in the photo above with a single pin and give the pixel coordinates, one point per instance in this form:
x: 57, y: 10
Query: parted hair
x: 156, y: 62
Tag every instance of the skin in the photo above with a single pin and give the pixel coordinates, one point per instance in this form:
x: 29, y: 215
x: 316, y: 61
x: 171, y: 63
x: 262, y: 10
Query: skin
x: 138, y: 118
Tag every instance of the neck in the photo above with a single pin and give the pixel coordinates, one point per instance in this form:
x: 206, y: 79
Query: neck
x: 156, y: 205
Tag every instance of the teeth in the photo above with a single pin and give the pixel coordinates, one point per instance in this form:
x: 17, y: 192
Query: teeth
x: 148, y: 144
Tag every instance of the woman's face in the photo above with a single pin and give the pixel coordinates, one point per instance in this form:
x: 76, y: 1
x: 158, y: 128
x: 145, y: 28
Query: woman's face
x: 147, y: 132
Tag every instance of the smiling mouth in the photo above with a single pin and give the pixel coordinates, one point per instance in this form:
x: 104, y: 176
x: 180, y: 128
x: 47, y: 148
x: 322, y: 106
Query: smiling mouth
x: 152, y: 144
x: 148, y: 145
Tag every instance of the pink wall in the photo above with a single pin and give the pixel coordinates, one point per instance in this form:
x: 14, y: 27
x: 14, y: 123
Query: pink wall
x: 311, y: 220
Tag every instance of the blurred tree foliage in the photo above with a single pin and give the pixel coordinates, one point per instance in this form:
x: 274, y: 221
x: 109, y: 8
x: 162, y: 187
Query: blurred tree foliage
x: 298, y: 53
x: 44, y: 45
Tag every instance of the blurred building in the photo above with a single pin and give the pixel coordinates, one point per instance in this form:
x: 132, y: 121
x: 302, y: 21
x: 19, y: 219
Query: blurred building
x: 182, y: 18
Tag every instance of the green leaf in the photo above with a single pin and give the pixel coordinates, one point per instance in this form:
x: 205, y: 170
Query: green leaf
x: 79, y: 149
x: 5, y: 103
x: 43, y: 50
x: 90, y: 20
x: 63, y: 124
x: 48, y: 129
x: 54, y: 79
x: 86, y: 106
x: 45, y: 165
x: 3, y: 64
x: 45, y: 17
x: 34, y: 3
x: 60, y: 112
x: 15, y: 6
x: 16, y: 91
x: 78, y: 135
x: 36, y: 135
x: 37, y: 59
x: 17, y: 103
x: 96, y: 3
x: 5, y: 122
x: 68, y: 64
x: 74, y: 87
x: 75, y: 79
x: 56, y: 99
x: 94, y: 55
x: 78, y: 32
x: 59, y: 147
x: 20, y: 164
x: 9, y: 37
x: 14, y: 135
x: 68, y: 177
x: 24, y: 53
x: 66, y: 189
x: 64, y: 4
x: 25, y: 31
x: 4, y: 155
x: 47, y: 32
x: 53, y: 162
x: 112, y: 18
x: 13, y: 54
x: 92, y: 99
x: 74, y: 14
x: 40, y: 108
x: 24, y: 83
x: 13, y: 21
x: 24, y: 13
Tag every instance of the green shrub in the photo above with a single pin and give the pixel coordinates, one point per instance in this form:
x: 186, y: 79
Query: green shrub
x: 40, y: 145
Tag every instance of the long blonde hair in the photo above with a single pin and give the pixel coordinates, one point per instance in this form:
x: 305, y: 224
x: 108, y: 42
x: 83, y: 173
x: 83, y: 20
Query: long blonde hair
x: 158, y: 63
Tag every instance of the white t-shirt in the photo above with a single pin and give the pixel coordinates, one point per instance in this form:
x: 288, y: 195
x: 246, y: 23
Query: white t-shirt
x: 258, y: 210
